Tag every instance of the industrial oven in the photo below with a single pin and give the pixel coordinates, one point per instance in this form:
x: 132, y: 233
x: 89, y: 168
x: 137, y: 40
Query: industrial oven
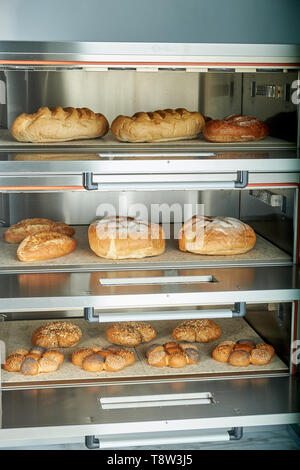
x: 255, y: 295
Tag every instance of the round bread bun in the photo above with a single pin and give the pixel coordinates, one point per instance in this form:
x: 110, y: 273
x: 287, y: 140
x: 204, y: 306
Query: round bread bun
x: 216, y: 236
x: 13, y: 362
x: 114, y: 363
x: 235, y: 128
x: 29, y: 366
x: 93, y: 363
x: 56, y: 334
x: 47, y: 364
x: 223, y: 350
x: 55, y: 356
x: 158, y: 126
x: 267, y: 347
x: 79, y: 355
x: 125, y: 237
x: 244, y: 345
x: 172, y: 355
x: 239, y: 358
x: 200, y: 331
x: 260, y: 356
x: 130, y: 334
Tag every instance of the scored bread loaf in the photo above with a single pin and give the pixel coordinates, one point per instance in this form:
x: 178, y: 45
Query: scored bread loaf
x: 216, y: 236
x: 56, y: 334
x: 200, y: 331
x: 34, y: 361
x: 59, y: 124
x: 235, y: 128
x: 130, y: 334
x: 45, y: 245
x: 158, y: 126
x: 125, y: 237
x: 16, y: 233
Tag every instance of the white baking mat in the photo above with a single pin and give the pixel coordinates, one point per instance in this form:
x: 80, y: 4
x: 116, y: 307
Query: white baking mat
x: 263, y: 251
x: 17, y: 334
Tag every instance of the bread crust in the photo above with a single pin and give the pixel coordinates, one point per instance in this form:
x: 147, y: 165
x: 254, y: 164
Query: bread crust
x: 235, y: 128
x: 16, y: 233
x: 216, y: 236
x: 125, y: 237
x: 172, y: 355
x: 57, y: 334
x: 130, y: 334
x: 59, y: 124
x: 200, y: 331
x: 158, y: 126
x: 45, y: 245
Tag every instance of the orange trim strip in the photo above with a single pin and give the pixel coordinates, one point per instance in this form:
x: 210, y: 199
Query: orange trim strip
x: 60, y: 62
x: 39, y: 188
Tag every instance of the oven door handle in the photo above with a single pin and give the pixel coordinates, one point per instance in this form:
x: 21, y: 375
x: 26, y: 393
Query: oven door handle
x: 240, y: 182
x: 163, y: 438
x: 238, y: 311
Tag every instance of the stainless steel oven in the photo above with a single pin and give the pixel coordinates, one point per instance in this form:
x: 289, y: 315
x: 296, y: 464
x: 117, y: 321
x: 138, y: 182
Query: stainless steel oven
x: 252, y: 295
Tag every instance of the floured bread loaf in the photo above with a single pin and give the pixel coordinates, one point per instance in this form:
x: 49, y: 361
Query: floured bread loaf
x: 158, y: 126
x: 216, y: 236
x: 59, y: 124
x: 125, y: 237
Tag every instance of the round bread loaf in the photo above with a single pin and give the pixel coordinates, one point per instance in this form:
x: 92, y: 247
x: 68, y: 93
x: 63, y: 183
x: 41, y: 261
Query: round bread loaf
x: 260, y: 356
x: 216, y: 236
x: 96, y: 359
x: 199, y: 331
x: 56, y: 334
x: 59, y: 124
x: 172, y: 355
x: 125, y: 237
x: 18, y: 232
x: 130, y: 334
x: 235, y: 128
x: 158, y: 126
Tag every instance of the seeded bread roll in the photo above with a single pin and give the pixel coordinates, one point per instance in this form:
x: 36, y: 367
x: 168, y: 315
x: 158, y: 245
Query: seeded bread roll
x: 158, y: 126
x: 172, y: 355
x: 59, y: 125
x: 243, y: 352
x: 200, y: 331
x: 260, y: 356
x: 57, y: 334
x: 125, y: 237
x: 235, y: 128
x: 45, y: 245
x: 216, y: 236
x: 222, y: 352
x: 130, y: 334
x: 16, y: 233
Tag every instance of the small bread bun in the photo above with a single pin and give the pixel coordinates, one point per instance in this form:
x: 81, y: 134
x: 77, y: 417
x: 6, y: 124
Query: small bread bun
x: 192, y: 355
x: 93, y: 363
x: 113, y: 363
x: 55, y: 356
x: 267, y: 347
x: 13, y: 362
x: 177, y: 359
x: 128, y: 356
x: 130, y: 334
x: 222, y: 352
x: 244, y: 345
x: 46, y: 364
x: 239, y: 358
x: 201, y: 331
x: 79, y: 355
x: 56, y: 334
x: 158, y: 358
x: 153, y: 348
x: 29, y: 366
x: 21, y: 351
x: 260, y: 356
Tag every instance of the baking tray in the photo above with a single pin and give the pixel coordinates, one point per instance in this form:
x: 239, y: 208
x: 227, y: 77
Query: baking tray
x: 83, y: 258
x: 17, y: 334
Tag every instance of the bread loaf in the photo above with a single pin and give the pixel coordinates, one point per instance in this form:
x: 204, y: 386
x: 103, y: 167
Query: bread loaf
x: 216, y: 236
x: 158, y: 126
x: 125, y: 237
x: 56, y: 334
x: 45, y: 245
x: 16, y: 233
x: 59, y: 124
x: 130, y: 334
x: 236, y: 128
x: 200, y: 331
